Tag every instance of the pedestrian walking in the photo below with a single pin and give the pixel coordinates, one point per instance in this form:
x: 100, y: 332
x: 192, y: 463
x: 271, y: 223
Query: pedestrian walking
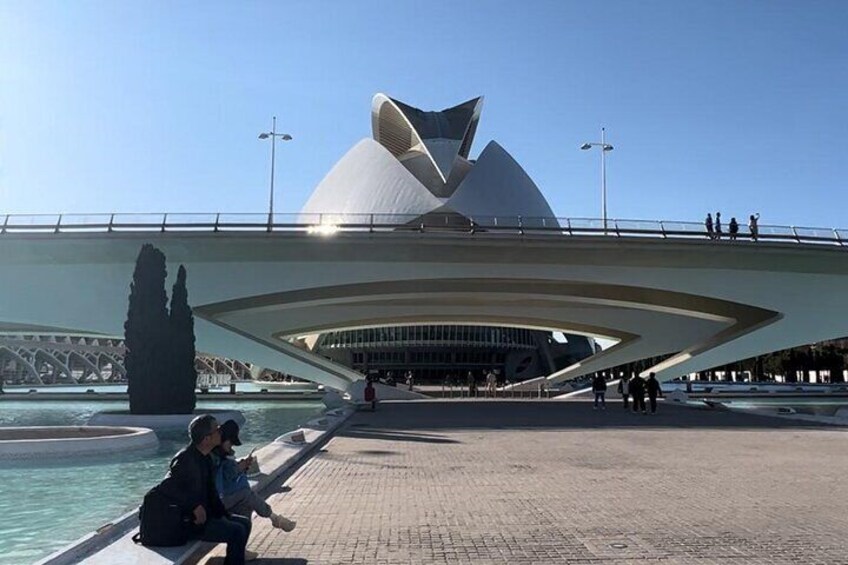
x: 708, y: 224
x: 718, y: 225
x: 654, y: 389
x: 491, y: 384
x: 637, y: 391
x: 599, y: 387
x: 624, y: 390
x: 472, y: 385
x: 753, y: 226
x: 733, y: 229
x: 370, y: 395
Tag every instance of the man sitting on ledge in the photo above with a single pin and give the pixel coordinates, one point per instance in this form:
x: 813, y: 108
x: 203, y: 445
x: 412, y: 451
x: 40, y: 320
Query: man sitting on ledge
x: 191, y: 482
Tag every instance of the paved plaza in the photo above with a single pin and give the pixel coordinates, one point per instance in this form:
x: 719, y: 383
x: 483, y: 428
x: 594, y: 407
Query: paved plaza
x: 557, y: 482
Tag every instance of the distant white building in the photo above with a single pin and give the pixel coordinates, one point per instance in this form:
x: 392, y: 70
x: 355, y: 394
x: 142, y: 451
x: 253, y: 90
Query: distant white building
x: 416, y: 168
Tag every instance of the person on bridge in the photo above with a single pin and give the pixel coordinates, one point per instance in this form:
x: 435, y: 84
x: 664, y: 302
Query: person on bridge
x: 471, y: 381
x: 624, y: 390
x: 232, y: 483
x: 708, y: 224
x: 654, y: 389
x: 718, y: 225
x: 733, y: 229
x: 637, y: 391
x: 190, y: 482
x: 599, y: 387
x: 753, y: 226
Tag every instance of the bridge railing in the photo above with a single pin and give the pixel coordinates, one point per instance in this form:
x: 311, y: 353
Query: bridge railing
x: 330, y: 223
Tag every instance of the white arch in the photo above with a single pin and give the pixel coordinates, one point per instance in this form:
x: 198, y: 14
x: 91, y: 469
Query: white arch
x: 23, y: 361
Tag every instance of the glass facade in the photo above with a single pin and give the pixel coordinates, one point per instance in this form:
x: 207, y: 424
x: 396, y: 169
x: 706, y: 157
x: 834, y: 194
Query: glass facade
x: 431, y: 335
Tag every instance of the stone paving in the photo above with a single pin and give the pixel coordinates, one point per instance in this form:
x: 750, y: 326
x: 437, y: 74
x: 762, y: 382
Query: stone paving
x: 557, y: 482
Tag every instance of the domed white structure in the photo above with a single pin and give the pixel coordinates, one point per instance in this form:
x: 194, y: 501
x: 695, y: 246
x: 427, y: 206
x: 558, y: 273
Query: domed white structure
x: 415, y: 169
x: 417, y: 163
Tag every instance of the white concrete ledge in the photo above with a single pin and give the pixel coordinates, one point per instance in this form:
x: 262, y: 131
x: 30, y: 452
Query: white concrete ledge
x: 160, y: 421
x: 112, y: 543
x: 58, y: 442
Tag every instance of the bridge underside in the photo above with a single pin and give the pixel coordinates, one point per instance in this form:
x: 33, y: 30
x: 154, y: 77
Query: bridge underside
x: 703, y: 302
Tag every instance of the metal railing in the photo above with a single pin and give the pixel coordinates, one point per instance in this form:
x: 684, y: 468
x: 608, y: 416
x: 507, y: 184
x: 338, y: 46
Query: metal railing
x: 330, y: 223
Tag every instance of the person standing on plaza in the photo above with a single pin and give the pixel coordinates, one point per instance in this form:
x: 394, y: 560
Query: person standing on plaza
x: 624, y: 390
x: 753, y: 226
x: 653, y: 387
x: 190, y: 482
x: 637, y: 392
x: 708, y: 224
x: 472, y: 385
x: 599, y: 387
x: 718, y: 225
x: 370, y: 394
x: 491, y: 384
x: 733, y: 229
x: 410, y: 380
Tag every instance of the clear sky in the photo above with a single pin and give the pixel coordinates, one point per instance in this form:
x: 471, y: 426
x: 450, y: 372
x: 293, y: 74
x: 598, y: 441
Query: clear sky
x: 119, y: 106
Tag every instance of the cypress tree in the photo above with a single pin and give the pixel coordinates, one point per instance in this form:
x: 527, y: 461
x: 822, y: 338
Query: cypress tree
x: 183, y: 373
x: 146, y: 334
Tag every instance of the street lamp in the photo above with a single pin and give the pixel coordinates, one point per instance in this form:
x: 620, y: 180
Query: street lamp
x: 604, y: 148
x: 273, y: 135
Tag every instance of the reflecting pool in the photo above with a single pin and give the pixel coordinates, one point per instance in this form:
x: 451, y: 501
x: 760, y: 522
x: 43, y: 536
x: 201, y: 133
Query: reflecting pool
x: 46, y: 506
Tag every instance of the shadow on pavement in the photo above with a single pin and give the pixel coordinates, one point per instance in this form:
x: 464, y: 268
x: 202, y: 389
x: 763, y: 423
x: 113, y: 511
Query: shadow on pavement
x: 393, y: 435
x: 396, y: 417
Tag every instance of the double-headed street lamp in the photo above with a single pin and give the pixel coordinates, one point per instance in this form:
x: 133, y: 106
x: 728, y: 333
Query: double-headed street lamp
x: 604, y: 148
x: 273, y: 135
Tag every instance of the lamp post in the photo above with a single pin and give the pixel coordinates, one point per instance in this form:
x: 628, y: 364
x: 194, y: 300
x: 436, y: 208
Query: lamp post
x: 273, y: 135
x: 604, y: 148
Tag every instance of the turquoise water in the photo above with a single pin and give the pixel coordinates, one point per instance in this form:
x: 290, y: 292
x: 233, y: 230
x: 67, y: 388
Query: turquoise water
x: 241, y: 386
x: 45, y: 507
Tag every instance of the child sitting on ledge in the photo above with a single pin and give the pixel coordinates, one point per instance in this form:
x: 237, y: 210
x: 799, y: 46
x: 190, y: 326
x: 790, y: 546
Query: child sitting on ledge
x: 231, y: 479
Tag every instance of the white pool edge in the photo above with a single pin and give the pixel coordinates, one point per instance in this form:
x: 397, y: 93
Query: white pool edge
x: 111, y: 532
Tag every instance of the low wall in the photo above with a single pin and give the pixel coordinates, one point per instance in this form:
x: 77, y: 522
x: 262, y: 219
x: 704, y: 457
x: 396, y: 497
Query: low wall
x: 61, y: 442
x: 161, y: 421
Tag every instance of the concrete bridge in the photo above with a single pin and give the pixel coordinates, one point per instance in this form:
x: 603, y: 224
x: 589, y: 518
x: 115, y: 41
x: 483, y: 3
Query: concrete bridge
x: 258, y: 283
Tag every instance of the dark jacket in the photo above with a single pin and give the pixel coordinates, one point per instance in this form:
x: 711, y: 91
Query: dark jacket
x: 191, y: 481
x: 637, y: 387
x: 599, y: 384
x: 653, y: 386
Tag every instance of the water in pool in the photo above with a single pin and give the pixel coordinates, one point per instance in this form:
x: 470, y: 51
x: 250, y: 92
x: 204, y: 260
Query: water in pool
x: 44, y: 507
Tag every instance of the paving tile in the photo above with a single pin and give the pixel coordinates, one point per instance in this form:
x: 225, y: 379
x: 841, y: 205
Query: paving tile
x: 557, y: 482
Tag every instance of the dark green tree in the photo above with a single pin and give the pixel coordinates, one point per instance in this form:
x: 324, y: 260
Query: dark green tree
x: 147, y: 335
x: 183, y: 376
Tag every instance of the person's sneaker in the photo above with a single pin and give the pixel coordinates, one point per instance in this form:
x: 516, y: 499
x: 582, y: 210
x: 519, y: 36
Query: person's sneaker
x: 250, y: 555
x: 282, y: 522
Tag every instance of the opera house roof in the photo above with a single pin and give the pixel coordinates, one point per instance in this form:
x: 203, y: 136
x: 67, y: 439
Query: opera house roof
x: 417, y: 163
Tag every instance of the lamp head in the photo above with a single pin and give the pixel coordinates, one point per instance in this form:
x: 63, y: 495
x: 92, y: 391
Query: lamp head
x: 586, y: 146
x: 608, y: 147
x: 286, y: 137
x: 264, y: 136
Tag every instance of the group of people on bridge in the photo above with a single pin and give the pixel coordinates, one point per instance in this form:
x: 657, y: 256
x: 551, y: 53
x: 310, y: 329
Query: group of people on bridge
x: 714, y: 229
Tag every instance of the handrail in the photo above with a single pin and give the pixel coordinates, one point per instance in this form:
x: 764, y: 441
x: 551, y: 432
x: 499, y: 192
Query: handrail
x: 441, y: 224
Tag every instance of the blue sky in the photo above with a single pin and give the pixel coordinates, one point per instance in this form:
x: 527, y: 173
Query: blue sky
x: 738, y: 106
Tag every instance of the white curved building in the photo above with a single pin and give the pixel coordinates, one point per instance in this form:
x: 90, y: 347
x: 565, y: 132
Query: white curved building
x: 418, y: 163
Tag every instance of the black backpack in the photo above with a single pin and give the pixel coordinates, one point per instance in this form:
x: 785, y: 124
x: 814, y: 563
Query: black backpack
x: 162, y: 522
